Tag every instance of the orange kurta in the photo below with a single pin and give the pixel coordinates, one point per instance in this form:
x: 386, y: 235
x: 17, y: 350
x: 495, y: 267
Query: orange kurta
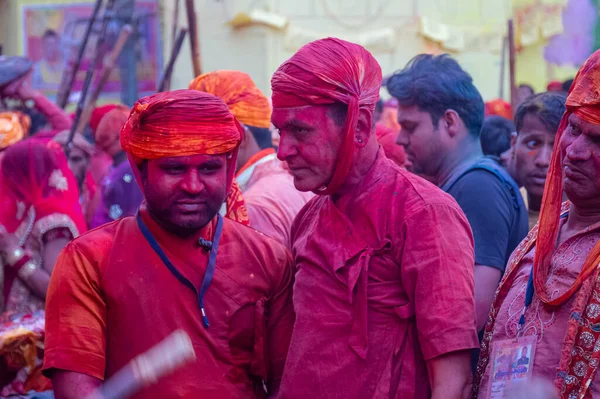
x: 111, y: 298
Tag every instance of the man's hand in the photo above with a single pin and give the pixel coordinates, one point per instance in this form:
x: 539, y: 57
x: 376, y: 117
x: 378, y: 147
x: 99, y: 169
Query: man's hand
x: 450, y: 375
x: 486, y: 283
x: 71, y: 385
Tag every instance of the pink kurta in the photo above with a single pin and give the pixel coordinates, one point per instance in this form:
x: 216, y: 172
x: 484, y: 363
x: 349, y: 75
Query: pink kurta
x: 548, y: 323
x: 272, y: 200
x: 384, y: 283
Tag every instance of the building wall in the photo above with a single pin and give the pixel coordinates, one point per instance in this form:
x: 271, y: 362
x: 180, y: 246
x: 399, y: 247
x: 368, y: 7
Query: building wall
x: 260, y: 50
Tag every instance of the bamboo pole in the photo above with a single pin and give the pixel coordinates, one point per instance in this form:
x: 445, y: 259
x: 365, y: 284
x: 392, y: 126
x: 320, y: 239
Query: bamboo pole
x: 194, y: 41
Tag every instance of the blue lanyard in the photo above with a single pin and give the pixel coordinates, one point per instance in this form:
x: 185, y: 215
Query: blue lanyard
x: 210, y: 267
x: 531, y: 290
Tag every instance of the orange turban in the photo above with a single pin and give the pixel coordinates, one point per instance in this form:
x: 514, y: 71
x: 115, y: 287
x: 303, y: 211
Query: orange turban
x: 180, y: 123
x: 14, y: 126
x: 324, y: 72
x: 185, y: 123
x: 108, y: 129
x: 499, y: 107
x: 245, y: 101
x: 583, y: 101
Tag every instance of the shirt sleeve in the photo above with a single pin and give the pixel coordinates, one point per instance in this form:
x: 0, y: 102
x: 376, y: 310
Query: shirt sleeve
x: 438, y: 275
x: 75, y: 317
x: 57, y: 118
x: 487, y: 205
x: 280, y: 324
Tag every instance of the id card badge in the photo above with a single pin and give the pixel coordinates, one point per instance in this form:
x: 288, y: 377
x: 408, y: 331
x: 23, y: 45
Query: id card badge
x: 511, y: 365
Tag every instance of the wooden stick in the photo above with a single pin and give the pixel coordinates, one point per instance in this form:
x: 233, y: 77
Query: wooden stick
x: 68, y: 78
x: 194, y: 42
x: 108, y: 14
x: 144, y: 370
x: 503, y: 66
x: 166, y: 78
x: 175, y: 21
x: 109, y: 65
x: 166, y: 85
x: 512, y: 61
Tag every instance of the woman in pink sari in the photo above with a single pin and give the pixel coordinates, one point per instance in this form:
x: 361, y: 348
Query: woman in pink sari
x: 40, y: 214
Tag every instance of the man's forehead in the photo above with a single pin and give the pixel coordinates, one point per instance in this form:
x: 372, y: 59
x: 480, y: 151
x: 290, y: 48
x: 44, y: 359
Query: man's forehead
x: 410, y: 112
x: 302, y: 114
x: 191, y: 159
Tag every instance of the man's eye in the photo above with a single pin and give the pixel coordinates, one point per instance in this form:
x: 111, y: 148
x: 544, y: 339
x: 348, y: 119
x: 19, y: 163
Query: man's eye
x: 574, y: 129
x: 298, y: 130
x: 533, y: 144
x: 173, y: 170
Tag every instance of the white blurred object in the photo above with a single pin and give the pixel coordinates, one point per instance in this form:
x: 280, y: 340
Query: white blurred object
x: 536, y: 388
x: 259, y: 17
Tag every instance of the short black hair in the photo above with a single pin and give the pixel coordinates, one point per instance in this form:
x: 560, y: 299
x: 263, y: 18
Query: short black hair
x: 379, y: 106
x: 262, y: 136
x: 566, y: 86
x: 548, y: 106
x: 435, y: 84
x: 495, y: 135
x: 50, y: 33
x: 528, y: 87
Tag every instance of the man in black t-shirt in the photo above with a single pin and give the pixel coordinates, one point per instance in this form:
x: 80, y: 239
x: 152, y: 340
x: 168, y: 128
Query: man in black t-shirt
x: 441, y: 114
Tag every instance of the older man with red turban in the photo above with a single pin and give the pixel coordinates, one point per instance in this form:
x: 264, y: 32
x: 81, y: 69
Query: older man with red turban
x: 267, y: 185
x: 384, y: 284
x: 548, y: 302
x: 178, y: 264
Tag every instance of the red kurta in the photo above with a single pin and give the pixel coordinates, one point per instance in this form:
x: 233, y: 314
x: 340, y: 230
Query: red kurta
x: 384, y: 283
x: 111, y: 298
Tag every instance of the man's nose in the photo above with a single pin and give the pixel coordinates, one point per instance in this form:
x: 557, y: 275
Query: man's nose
x: 287, y: 147
x: 192, y: 183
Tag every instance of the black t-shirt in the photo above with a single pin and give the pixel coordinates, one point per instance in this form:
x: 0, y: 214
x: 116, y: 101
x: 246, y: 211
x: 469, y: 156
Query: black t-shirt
x: 498, y: 218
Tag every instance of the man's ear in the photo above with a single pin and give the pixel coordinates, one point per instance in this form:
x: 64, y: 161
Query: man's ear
x: 452, y: 122
x: 513, y: 139
x: 364, y: 127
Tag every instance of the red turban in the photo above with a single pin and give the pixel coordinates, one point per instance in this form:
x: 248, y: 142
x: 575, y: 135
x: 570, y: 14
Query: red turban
x: 583, y: 101
x: 108, y: 129
x: 98, y: 113
x: 245, y: 101
x: 554, y: 86
x: 498, y: 107
x: 325, y: 72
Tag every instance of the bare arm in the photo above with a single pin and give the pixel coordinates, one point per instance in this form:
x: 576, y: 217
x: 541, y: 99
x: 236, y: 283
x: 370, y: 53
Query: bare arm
x: 71, y: 385
x: 38, y: 282
x: 450, y: 375
x: 486, y: 282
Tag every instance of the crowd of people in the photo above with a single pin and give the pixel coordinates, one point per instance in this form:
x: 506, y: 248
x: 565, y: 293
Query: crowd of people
x: 322, y: 243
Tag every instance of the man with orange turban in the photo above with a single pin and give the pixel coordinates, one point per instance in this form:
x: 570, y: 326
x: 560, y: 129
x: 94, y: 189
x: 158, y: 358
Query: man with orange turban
x: 14, y: 126
x: 178, y: 264
x: 268, y: 187
x: 384, y: 284
x: 549, y: 299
